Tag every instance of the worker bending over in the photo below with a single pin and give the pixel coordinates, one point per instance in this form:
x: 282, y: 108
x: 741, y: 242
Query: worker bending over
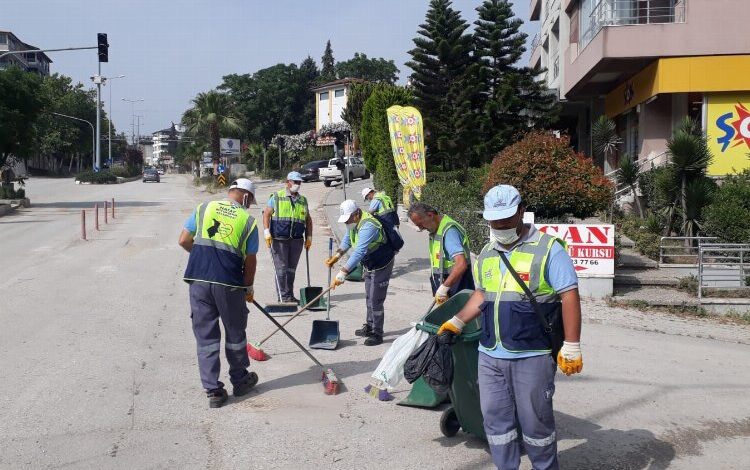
x: 381, y: 205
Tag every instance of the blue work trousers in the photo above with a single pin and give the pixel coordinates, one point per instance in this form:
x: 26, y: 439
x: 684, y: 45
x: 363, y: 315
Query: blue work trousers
x: 516, y: 400
x: 209, y: 303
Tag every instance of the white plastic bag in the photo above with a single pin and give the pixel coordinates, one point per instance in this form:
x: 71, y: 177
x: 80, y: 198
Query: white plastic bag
x: 390, y: 371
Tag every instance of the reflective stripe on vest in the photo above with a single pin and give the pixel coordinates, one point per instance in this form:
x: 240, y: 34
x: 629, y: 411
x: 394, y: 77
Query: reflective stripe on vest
x: 219, y: 244
x: 440, y: 262
x: 289, y: 218
x: 379, y: 252
x: 508, y: 318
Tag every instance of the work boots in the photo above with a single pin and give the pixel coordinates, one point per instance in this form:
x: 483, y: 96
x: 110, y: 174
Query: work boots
x: 374, y: 340
x: 217, y: 398
x: 244, y: 387
x: 365, y: 331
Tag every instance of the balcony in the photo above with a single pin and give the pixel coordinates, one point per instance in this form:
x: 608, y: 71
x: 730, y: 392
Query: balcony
x: 619, y: 38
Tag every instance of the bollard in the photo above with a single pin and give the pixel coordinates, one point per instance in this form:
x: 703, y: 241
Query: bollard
x: 105, y: 211
x: 96, y: 216
x: 113, y: 208
x: 83, y: 224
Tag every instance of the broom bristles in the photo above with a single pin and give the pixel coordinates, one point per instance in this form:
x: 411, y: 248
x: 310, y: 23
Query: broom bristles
x: 256, y: 353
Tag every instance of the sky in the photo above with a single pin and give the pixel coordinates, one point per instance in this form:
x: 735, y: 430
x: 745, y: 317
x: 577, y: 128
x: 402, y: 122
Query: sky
x: 170, y: 50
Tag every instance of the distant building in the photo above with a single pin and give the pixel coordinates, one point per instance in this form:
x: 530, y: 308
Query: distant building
x: 647, y: 65
x: 330, y: 101
x: 36, y: 62
x: 165, y: 143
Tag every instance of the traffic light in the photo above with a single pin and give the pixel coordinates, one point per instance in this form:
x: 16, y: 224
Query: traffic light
x: 101, y: 40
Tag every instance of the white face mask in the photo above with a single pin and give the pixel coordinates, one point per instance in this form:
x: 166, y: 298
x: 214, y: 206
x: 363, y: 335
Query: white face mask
x: 504, y: 237
x: 294, y: 188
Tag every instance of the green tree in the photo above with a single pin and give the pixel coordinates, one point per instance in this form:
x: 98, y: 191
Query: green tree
x: 605, y: 140
x: 728, y: 214
x: 374, y: 70
x: 328, y: 69
x: 20, y: 105
x: 514, y: 100
x: 355, y: 103
x: 627, y: 176
x: 211, y: 115
x: 440, y: 58
x: 375, y: 137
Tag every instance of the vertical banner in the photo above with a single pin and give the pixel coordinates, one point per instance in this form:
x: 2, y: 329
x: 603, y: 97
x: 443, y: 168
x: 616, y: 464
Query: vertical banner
x: 407, y: 143
x: 728, y: 130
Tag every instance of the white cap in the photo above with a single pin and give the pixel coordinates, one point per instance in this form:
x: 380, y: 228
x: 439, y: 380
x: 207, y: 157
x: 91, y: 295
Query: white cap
x: 501, y: 202
x: 346, y: 209
x: 366, y: 191
x: 243, y: 183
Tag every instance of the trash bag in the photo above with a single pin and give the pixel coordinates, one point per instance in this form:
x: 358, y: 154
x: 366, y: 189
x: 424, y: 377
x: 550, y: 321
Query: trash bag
x: 391, y: 368
x: 433, y: 361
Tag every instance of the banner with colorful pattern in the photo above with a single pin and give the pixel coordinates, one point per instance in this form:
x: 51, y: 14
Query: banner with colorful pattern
x: 407, y: 143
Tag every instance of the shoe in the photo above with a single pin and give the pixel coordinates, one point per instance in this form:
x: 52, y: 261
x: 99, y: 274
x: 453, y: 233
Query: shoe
x: 244, y: 387
x: 365, y: 331
x: 374, y: 340
x: 217, y: 398
x: 290, y: 300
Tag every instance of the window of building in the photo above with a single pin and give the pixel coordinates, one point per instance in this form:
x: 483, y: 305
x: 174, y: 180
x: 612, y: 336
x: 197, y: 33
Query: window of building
x: 338, y: 93
x: 324, y: 96
x: 695, y: 107
x: 3, y: 38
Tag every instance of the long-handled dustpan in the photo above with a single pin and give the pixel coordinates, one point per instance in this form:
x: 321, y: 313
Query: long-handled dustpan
x: 308, y: 293
x: 279, y: 306
x: 325, y: 333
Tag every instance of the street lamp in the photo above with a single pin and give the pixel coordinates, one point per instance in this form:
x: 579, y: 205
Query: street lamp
x: 109, y: 132
x: 132, y: 112
x: 93, y: 136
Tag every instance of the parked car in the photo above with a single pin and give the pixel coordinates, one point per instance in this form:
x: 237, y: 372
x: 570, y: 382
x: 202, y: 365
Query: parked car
x: 150, y: 174
x: 355, y: 168
x: 311, y: 171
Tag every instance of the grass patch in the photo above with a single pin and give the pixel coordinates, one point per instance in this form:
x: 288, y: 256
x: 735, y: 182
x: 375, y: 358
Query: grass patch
x: 683, y: 310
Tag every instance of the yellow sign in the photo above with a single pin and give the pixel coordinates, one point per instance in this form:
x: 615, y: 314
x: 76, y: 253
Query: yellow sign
x: 728, y: 129
x: 407, y: 143
x: 221, y: 179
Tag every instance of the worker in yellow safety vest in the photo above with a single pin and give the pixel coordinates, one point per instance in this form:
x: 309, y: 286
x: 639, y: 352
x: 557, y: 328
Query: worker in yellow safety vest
x: 381, y: 205
x: 222, y: 239
x: 288, y: 226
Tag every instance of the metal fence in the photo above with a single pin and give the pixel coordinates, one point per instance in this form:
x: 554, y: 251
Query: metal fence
x: 724, y: 266
x: 629, y: 12
x: 682, y: 248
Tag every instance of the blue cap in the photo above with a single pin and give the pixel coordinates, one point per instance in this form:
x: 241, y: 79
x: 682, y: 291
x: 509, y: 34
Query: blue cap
x: 294, y: 176
x: 501, y: 202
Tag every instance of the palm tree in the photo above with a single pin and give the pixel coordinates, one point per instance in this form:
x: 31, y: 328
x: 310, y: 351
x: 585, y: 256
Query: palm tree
x: 604, y: 138
x: 689, y: 158
x: 628, y: 177
x: 211, y: 115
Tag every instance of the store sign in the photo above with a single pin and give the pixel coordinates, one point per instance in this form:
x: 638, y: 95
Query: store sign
x: 230, y: 146
x: 325, y: 141
x: 591, y: 247
x: 728, y: 129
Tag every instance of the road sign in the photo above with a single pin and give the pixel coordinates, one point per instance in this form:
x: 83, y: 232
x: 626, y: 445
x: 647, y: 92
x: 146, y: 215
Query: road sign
x: 221, y: 168
x: 221, y: 180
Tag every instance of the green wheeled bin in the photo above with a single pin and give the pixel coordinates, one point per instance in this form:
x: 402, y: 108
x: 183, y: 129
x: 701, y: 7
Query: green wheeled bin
x: 465, y: 412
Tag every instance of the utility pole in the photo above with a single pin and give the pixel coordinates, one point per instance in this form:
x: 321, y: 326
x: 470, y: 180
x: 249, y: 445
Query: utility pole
x: 132, y: 113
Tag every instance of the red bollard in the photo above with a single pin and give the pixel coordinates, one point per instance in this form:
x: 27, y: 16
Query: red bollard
x: 113, y: 208
x: 96, y: 216
x: 105, y: 212
x: 83, y: 224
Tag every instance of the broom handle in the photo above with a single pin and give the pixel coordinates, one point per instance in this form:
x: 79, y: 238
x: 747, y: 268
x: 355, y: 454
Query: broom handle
x: 294, y: 316
x: 294, y: 340
x: 307, y: 262
x: 330, y: 268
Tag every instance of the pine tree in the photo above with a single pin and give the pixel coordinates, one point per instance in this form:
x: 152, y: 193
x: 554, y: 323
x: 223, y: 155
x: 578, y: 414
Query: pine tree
x: 328, y: 70
x: 442, y: 55
x: 514, y: 99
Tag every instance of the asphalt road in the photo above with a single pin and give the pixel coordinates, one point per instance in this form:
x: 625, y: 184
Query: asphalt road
x: 98, y: 369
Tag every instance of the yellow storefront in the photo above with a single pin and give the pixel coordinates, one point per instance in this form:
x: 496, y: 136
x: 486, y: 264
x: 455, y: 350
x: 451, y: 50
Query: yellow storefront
x: 712, y: 89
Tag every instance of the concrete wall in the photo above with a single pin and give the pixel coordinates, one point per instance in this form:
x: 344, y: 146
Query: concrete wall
x: 655, y: 126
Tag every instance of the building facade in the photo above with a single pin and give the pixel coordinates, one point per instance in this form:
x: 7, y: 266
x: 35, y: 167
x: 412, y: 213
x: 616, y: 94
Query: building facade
x: 165, y: 143
x: 330, y: 101
x: 36, y: 62
x: 648, y: 64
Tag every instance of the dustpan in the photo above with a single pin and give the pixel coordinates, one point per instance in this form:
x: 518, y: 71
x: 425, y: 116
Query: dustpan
x: 325, y: 333
x: 306, y: 294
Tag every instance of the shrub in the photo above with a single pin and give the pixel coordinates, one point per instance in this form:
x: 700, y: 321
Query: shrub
x: 100, y: 177
x: 125, y: 171
x: 375, y: 137
x: 728, y: 216
x: 641, y: 231
x: 688, y: 284
x: 553, y: 179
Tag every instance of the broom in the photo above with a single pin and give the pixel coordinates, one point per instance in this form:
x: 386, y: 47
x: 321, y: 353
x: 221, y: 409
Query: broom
x: 255, y: 351
x: 330, y: 381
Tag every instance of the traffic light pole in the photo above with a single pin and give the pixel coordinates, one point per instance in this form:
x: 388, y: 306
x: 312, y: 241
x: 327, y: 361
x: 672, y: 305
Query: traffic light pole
x: 99, y: 118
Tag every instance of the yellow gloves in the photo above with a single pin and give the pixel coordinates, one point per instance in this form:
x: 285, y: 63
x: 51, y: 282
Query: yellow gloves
x: 267, y: 236
x: 441, y: 294
x: 308, y: 243
x: 569, y: 359
x: 454, y: 325
x: 249, y: 294
x: 339, y: 279
x: 332, y: 260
